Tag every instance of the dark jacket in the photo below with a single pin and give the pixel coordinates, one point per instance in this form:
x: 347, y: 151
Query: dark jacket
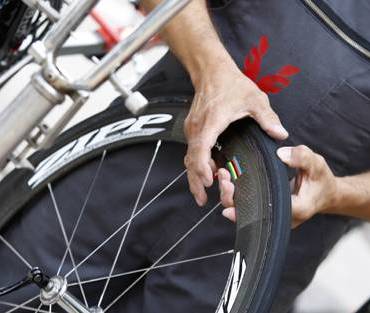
x: 325, y: 103
x: 319, y: 85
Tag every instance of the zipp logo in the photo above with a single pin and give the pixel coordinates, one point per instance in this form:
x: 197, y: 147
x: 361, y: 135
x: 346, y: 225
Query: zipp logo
x: 120, y: 130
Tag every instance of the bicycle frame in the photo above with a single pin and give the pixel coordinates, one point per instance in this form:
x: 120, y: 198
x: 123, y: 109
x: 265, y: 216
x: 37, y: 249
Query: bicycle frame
x: 22, y: 119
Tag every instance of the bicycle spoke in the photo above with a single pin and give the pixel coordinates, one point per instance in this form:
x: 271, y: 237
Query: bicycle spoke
x: 130, y: 221
x: 39, y: 308
x: 205, y: 257
x: 15, y: 251
x: 59, y: 217
x: 91, y: 187
x: 22, y: 304
x: 125, y: 223
x: 24, y: 307
x: 163, y: 256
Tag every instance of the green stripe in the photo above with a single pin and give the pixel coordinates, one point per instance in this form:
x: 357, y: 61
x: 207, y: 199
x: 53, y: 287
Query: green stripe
x: 234, y: 176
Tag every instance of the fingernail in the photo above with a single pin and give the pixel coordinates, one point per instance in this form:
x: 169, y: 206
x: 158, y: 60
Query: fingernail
x: 284, y: 153
x: 227, y: 213
x: 281, y: 130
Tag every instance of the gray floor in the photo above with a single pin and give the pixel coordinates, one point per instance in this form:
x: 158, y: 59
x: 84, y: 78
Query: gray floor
x: 342, y: 282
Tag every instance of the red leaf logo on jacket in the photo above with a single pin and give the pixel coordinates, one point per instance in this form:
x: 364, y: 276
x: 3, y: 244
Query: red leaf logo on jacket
x: 273, y: 83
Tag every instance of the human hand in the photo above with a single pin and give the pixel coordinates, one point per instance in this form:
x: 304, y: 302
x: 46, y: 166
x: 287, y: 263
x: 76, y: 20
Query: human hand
x: 315, y: 187
x: 222, y: 97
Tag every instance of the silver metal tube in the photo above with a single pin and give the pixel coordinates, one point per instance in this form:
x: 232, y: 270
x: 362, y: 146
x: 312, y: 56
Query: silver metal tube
x: 52, y: 14
x: 70, y: 19
x: 121, y: 52
x: 11, y: 72
x: 79, y: 100
x: 70, y: 304
x: 26, y: 111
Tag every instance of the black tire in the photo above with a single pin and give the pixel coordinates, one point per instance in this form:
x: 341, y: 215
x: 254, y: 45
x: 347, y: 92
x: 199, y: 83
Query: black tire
x: 262, y: 191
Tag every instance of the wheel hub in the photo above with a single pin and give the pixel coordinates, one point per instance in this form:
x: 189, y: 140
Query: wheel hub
x: 56, y: 292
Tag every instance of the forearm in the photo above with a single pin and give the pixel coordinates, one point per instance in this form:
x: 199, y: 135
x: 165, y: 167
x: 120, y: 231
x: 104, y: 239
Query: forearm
x: 193, y: 39
x: 353, y: 196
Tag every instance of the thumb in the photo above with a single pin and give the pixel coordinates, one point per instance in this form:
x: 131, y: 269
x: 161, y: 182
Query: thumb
x: 300, y: 157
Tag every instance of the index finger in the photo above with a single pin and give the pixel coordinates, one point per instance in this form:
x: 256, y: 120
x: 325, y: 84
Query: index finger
x: 198, y: 161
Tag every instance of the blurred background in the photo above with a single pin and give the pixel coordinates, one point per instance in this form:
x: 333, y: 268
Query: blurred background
x: 342, y: 282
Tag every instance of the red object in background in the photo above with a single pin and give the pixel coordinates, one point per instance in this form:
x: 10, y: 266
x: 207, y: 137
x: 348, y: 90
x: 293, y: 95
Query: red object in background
x: 112, y: 35
x: 273, y: 83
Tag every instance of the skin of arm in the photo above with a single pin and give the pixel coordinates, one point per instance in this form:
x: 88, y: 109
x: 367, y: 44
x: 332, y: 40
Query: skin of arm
x: 223, y: 94
x: 353, y: 197
x: 193, y: 39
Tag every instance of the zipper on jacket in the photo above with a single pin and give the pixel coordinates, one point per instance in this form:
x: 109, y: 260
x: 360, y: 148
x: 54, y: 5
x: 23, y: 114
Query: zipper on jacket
x: 344, y: 33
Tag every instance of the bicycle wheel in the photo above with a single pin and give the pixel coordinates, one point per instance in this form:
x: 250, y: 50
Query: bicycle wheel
x: 94, y: 200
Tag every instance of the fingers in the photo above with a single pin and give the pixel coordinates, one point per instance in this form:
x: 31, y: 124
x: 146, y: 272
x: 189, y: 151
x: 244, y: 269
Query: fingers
x: 300, y: 157
x: 315, y: 188
x: 213, y: 165
x: 230, y: 214
x: 198, y: 161
x: 197, y: 188
x: 301, y: 211
x: 304, y: 159
x: 263, y: 114
x: 207, y: 119
x: 226, y: 188
x: 200, y: 174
